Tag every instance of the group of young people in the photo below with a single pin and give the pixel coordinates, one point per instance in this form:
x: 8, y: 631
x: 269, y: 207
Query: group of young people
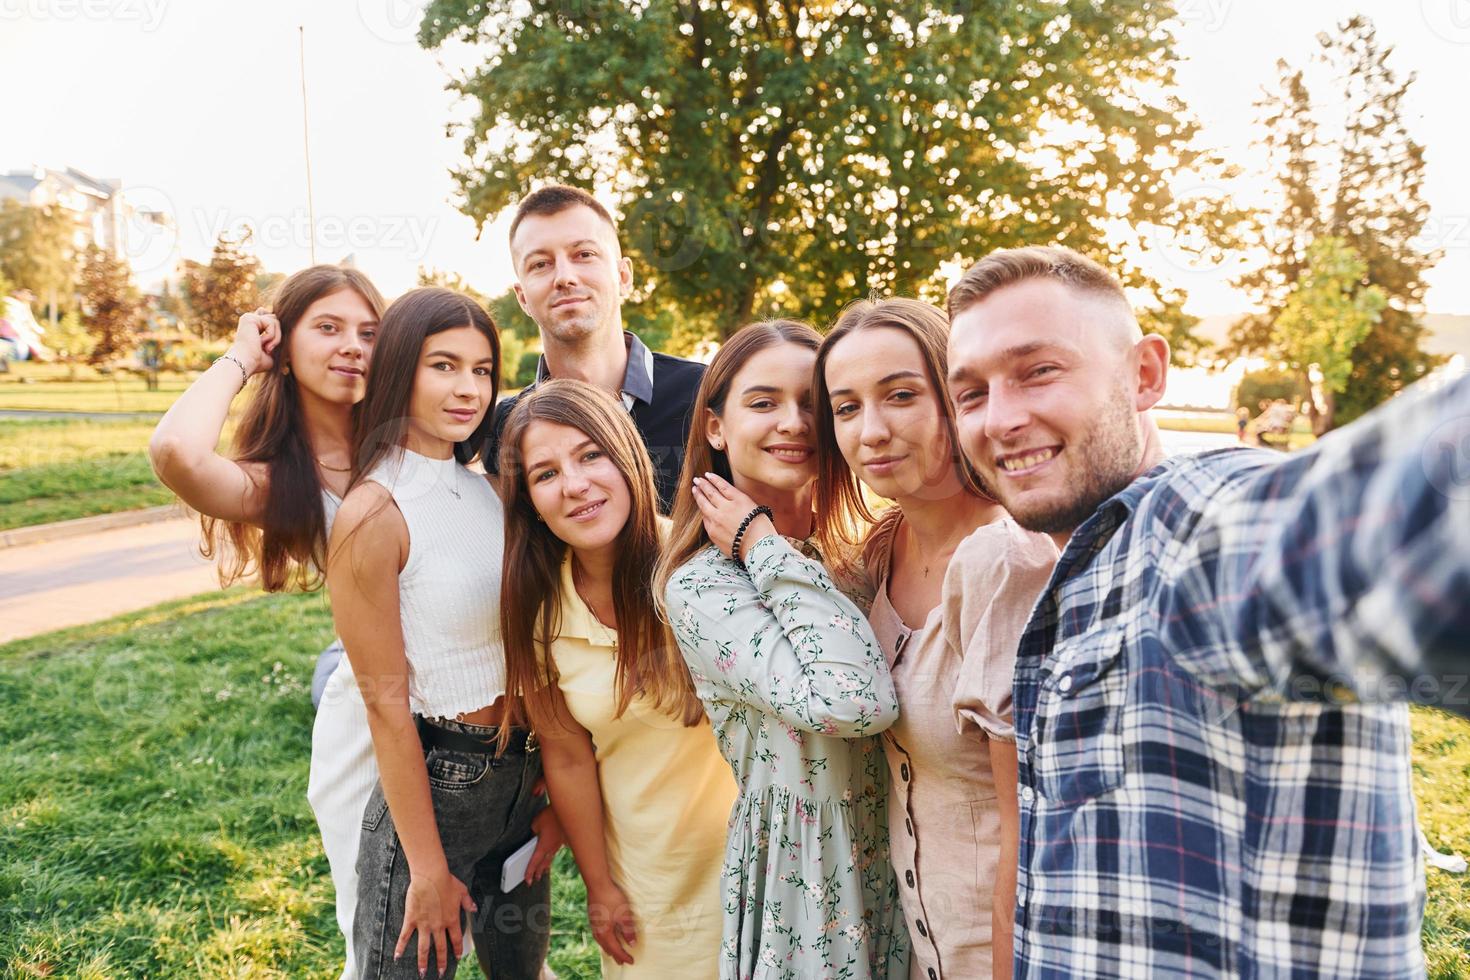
x: 898, y: 651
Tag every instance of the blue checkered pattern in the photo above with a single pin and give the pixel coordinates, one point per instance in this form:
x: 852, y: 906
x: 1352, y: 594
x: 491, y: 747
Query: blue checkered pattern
x: 1214, y: 756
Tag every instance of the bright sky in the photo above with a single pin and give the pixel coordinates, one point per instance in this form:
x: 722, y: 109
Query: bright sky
x: 196, y: 106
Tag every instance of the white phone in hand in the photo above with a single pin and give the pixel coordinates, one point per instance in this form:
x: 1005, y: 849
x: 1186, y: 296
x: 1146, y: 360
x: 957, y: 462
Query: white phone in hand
x: 513, y: 871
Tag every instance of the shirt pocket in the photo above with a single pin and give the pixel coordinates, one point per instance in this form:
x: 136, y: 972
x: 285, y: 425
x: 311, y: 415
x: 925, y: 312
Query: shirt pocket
x: 1078, y: 742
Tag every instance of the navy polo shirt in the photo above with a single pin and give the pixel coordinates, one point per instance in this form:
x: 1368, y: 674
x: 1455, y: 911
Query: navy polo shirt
x: 658, y: 391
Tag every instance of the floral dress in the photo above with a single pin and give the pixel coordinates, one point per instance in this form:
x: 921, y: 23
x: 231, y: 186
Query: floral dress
x: 797, y: 689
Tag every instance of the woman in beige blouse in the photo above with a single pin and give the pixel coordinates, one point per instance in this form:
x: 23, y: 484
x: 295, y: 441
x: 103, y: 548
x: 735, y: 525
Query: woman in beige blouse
x: 955, y: 580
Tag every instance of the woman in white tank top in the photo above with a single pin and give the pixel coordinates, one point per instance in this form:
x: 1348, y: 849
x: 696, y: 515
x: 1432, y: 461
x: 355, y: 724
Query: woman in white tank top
x: 414, y: 574
x: 267, y: 507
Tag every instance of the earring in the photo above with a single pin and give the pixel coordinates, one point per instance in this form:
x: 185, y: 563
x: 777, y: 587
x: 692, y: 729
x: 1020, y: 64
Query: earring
x: 719, y: 447
x: 286, y: 369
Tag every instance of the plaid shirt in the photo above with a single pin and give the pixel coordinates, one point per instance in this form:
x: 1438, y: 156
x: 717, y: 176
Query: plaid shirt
x: 1205, y: 790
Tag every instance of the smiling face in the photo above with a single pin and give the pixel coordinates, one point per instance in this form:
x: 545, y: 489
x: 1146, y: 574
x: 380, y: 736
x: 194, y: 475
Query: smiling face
x: 571, y: 277
x: 887, y: 416
x: 575, y: 486
x: 765, y: 428
x: 1045, y: 380
x: 330, y: 347
x: 453, y: 387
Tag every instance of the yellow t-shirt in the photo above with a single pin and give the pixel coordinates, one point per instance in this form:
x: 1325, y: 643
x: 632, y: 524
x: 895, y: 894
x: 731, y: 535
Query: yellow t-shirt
x: 667, y: 794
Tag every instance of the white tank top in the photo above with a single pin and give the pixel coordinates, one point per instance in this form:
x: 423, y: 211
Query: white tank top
x: 331, y: 503
x: 449, y: 589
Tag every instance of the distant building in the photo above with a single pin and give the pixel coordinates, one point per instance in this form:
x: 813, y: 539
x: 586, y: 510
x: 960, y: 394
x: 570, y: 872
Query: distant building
x: 106, y: 217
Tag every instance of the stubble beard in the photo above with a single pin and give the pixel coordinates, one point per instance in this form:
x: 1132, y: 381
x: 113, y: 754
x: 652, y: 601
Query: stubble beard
x: 1108, y: 455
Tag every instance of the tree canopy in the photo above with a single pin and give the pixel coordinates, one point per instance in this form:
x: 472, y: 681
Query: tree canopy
x: 1359, y: 180
x: 776, y: 158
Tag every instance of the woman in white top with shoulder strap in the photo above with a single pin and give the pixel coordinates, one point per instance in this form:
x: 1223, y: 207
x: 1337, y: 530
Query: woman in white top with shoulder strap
x: 267, y: 507
x: 414, y: 573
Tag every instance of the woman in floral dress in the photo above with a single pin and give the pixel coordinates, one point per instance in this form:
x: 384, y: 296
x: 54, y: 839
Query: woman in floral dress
x: 792, y: 677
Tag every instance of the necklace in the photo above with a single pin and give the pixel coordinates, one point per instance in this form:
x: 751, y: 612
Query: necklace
x: 335, y: 469
x: 455, y: 488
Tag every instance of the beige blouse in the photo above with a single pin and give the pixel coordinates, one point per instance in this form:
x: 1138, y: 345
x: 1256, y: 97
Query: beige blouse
x: 944, y: 823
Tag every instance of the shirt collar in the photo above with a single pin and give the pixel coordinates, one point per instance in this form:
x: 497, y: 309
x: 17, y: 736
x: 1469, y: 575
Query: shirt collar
x: 575, y: 619
x: 637, y: 378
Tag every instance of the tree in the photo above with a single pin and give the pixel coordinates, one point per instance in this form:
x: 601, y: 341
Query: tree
x: 1326, y: 316
x: 783, y: 158
x: 218, y: 293
x: 38, y: 252
x: 72, y: 342
x: 111, y: 304
x: 1363, y: 185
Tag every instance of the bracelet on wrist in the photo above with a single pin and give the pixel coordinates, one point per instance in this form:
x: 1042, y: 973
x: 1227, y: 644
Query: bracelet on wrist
x: 744, y: 526
x: 244, y: 374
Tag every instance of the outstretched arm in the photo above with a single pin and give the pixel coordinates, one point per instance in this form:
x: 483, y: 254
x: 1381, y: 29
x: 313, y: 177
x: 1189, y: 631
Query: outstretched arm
x: 1344, y: 572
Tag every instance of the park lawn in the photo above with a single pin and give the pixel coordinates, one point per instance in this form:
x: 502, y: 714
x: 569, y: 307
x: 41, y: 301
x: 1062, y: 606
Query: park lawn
x: 153, y: 819
x: 153, y: 815
x: 127, y: 394
x: 60, y: 470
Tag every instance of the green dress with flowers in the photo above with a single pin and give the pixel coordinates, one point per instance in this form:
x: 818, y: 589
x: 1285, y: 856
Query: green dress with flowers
x: 797, y: 689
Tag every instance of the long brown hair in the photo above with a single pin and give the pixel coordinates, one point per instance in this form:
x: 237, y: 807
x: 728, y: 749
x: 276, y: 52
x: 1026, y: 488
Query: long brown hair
x: 688, y: 534
x: 838, y: 488
x: 648, y: 661
x: 382, y: 422
x: 288, y: 549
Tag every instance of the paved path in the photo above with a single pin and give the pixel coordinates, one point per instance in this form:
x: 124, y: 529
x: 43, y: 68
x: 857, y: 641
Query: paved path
x: 54, y: 584
x: 81, y: 580
x: 42, y: 415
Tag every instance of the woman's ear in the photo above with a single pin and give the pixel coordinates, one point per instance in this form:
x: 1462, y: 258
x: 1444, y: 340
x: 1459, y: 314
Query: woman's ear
x: 714, y: 431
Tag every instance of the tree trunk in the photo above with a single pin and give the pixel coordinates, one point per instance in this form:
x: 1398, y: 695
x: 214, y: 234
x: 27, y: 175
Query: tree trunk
x: 1327, y: 420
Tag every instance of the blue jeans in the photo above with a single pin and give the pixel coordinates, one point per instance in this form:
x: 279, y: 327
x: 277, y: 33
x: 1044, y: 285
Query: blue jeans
x: 483, y: 806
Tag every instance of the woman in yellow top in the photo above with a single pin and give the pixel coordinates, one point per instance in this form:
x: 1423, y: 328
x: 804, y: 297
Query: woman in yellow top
x: 631, y: 762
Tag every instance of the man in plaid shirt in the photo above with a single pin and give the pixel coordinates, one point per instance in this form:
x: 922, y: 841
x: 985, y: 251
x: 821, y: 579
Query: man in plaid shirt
x: 1213, y: 748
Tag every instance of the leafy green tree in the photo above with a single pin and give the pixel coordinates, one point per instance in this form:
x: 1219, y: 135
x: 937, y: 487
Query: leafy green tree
x: 218, y: 293
x: 785, y: 158
x: 1266, y: 385
x: 1363, y: 185
x: 112, y: 306
x: 1326, y: 316
x: 37, y: 252
x: 72, y: 341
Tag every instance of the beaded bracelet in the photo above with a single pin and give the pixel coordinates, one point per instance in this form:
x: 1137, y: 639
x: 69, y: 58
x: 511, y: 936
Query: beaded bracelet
x: 740, y: 532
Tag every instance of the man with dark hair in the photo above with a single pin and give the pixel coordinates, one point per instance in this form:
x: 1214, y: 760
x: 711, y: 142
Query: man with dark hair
x: 572, y: 278
x: 1214, y: 763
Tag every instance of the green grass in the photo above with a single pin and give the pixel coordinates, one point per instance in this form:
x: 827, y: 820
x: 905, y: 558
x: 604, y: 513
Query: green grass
x: 153, y: 815
x: 153, y: 819
x: 59, y: 470
x: 1442, y: 786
